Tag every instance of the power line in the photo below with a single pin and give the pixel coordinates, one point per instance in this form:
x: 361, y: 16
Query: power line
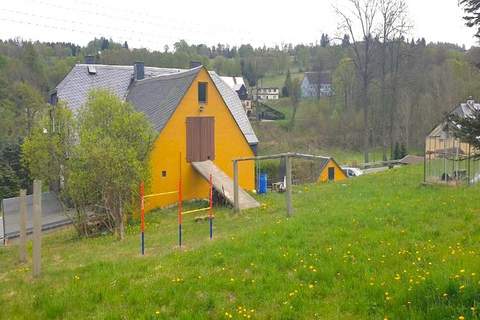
x: 128, y: 17
x: 87, y: 25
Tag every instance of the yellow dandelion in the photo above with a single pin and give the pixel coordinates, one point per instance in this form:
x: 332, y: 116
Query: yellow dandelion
x: 461, y: 318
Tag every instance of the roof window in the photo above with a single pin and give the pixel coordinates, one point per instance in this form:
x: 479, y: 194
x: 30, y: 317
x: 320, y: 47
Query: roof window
x: 92, y: 69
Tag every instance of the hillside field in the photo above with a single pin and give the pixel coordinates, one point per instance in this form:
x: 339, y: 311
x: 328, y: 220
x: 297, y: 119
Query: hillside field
x: 376, y: 247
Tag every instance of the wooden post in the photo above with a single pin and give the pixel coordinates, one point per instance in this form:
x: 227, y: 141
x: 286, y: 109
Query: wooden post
x: 236, y: 205
x: 22, y: 248
x: 288, y: 195
x: 37, y: 227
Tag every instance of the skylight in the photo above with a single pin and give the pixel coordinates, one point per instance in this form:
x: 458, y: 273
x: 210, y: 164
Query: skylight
x: 92, y: 69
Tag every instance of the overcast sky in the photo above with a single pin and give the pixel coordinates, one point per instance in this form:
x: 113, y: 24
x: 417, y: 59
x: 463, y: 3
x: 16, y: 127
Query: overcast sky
x: 154, y: 23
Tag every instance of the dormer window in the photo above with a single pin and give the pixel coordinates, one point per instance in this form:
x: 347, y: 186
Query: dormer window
x: 92, y: 69
x: 202, y: 92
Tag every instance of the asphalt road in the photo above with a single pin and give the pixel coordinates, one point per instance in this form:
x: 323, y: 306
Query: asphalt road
x: 53, y: 215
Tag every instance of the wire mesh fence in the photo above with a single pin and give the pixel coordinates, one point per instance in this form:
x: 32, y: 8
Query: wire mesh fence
x: 451, y: 162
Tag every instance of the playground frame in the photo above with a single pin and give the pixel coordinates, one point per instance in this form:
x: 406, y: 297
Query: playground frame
x: 181, y: 213
x: 289, y: 156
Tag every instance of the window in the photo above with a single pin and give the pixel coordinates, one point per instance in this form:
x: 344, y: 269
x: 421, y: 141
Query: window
x: 202, y: 92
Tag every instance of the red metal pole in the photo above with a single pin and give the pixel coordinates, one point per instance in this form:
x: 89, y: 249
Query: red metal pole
x: 142, y: 216
x: 210, y: 210
x: 211, y: 196
x: 180, y: 202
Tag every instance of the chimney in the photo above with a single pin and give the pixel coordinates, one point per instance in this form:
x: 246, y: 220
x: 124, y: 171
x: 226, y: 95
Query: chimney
x: 195, y: 64
x: 139, y: 70
x: 470, y: 101
x: 89, y: 59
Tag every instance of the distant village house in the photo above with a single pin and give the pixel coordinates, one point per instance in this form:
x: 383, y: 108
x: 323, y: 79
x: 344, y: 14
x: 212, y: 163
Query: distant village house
x: 317, y: 84
x: 238, y: 85
x: 268, y: 93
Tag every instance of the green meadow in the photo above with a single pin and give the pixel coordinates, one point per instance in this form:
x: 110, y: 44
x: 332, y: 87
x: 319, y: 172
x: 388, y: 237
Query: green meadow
x: 376, y: 247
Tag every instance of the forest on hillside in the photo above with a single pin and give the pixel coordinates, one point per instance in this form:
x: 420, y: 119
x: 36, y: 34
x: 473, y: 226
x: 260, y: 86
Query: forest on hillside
x: 417, y: 84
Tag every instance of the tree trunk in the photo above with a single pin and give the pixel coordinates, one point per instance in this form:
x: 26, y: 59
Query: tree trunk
x: 384, y: 102
x: 294, y: 114
x: 120, y: 221
x: 366, y: 129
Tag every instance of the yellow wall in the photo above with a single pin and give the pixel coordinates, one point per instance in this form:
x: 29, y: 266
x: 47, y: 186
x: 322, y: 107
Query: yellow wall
x: 339, y: 174
x: 230, y: 143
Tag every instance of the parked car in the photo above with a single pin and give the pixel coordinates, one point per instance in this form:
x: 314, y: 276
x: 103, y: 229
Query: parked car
x: 352, y: 172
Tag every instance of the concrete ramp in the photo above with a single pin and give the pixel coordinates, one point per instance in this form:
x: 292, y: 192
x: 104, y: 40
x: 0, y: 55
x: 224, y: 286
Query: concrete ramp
x: 224, y: 184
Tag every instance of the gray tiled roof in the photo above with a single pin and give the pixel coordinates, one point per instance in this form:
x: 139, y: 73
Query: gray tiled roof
x: 76, y: 86
x: 316, y: 78
x: 464, y: 110
x: 158, y: 97
x: 235, y: 105
x: 165, y: 86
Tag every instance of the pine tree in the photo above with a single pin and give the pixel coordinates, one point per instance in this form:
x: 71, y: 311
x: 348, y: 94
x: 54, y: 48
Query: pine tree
x: 472, y: 8
x: 396, y: 152
x: 466, y: 129
x: 325, y: 40
x: 346, y: 41
x: 287, y: 88
x: 403, y: 151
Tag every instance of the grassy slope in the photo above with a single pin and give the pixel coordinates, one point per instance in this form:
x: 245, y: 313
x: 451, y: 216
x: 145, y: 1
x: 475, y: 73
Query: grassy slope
x: 378, y: 246
x: 278, y: 80
x: 276, y: 138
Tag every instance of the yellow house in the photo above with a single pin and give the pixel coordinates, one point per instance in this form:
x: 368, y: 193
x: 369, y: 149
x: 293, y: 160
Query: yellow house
x: 198, y: 117
x: 330, y: 171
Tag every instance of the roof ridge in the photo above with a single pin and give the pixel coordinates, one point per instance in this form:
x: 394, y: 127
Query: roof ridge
x: 122, y: 66
x: 171, y: 76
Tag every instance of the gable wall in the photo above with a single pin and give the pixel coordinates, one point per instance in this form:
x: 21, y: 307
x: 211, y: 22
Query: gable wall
x: 339, y: 174
x: 230, y: 143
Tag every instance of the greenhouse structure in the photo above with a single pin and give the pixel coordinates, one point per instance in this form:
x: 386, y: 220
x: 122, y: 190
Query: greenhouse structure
x: 447, y: 159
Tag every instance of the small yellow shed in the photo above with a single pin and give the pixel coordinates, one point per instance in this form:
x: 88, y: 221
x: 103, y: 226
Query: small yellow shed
x: 330, y: 171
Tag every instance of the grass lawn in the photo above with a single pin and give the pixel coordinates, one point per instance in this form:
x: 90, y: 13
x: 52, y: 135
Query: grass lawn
x: 375, y: 247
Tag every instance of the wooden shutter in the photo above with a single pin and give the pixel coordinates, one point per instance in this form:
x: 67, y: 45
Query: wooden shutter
x: 200, y: 139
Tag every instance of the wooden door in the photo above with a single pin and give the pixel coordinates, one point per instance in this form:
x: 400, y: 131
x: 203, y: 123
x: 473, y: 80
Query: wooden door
x: 200, y: 139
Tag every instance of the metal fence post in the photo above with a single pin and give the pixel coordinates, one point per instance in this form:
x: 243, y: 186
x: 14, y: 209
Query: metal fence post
x: 288, y: 195
x: 236, y: 205
x: 2, y: 212
x: 37, y: 227
x: 22, y: 249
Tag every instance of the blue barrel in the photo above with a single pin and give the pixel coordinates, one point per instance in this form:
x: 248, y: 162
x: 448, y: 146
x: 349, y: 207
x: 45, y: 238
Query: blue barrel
x: 262, y: 184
